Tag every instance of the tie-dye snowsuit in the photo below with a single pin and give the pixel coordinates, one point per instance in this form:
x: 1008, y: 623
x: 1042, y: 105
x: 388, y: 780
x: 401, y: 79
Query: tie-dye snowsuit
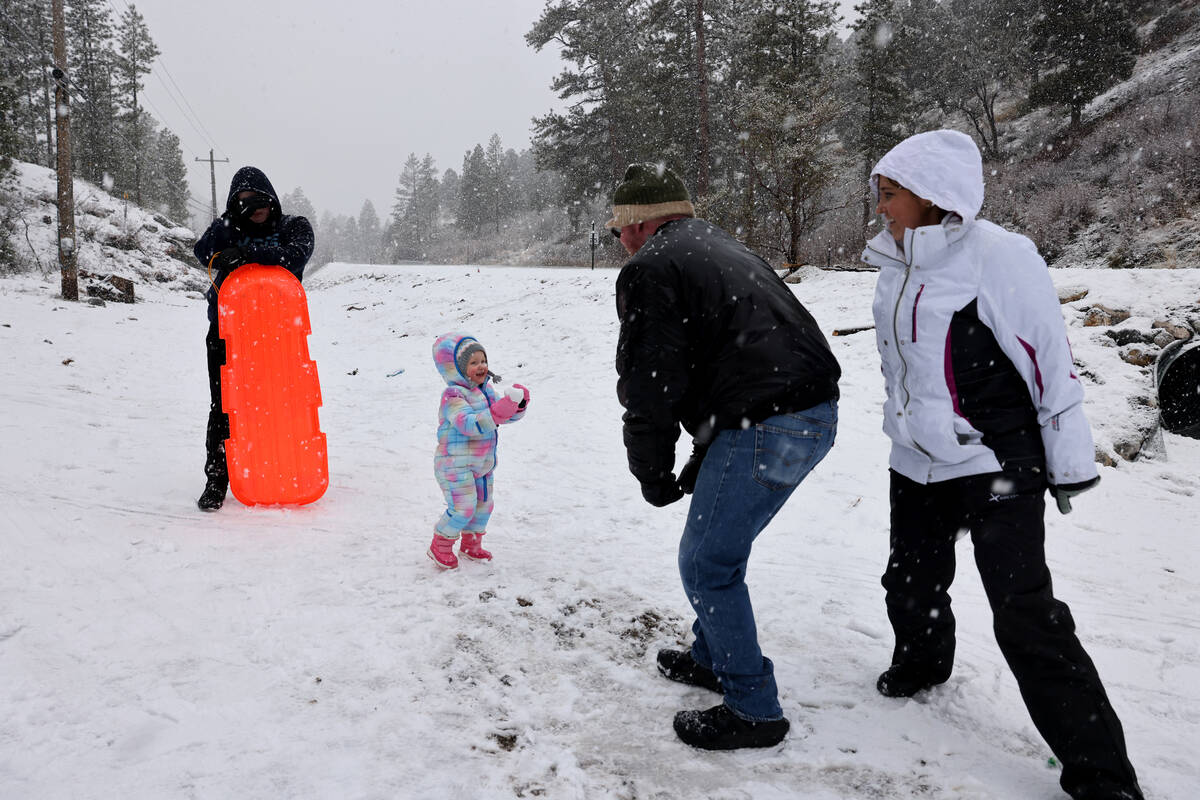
x: 466, y: 449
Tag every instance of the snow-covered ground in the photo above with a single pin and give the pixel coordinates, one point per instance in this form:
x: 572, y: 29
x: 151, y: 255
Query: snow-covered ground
x: 148, y: 650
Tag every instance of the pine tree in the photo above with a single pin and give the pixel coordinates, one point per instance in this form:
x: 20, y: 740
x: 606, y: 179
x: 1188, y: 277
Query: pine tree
x: 1083, y: 47
x: 673, y: 68
x: 497, y: 190
x: 369, y: 233
x: 297, y: 204
x: 166, y: 178
x: 448, y: 189
x: 25, y: 48
x: 136, y: 53
x: 429, y: 210
x: 413, y: 224
x: 602, y: 130
x: 403, y: 235
x: 786, y: 115
x: 472, y: 188
x: 349, y: 244
x: 325, y: 248
x: 91, y: 72
x: 10, y: 140
x: 880, y: 102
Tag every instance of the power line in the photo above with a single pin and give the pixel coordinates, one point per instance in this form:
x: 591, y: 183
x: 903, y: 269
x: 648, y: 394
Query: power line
x: 193, y: 119
x: 197, y: 206
x: 163, y: 117
x: 45, y: 58
x: 77, y: 93
x: 171, y: 77
x: 40, y: 55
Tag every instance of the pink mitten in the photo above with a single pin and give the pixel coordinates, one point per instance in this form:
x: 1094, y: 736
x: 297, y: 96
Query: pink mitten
x: 524, y: 400
x: 503, y: 409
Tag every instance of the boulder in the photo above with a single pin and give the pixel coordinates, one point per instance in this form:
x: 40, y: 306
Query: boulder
x: 1176, y: 329
x: 1103, y: 315
x: 1137, y: 355
x: 1124, y: 336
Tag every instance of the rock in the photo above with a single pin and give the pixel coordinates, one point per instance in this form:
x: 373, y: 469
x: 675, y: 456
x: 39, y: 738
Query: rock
x: 124, y: 286
x: 1138, y: 356
x: 1103, y: 315
x: 121, y: 290
x: 1069, y: 294
x: 1143, y: 439
x: 1164, y: 338
x: 1124, y: 336
x: 1176, y: 329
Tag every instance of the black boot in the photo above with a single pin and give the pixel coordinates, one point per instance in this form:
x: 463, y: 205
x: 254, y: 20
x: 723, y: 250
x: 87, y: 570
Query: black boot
x: 719, y: 728
x: 900, y: 680
x: 679, y: 666
x: 216, y: 469
x: 214, y: 495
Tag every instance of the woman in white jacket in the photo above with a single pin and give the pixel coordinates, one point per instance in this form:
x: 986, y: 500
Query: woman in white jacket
x: 985, y: 413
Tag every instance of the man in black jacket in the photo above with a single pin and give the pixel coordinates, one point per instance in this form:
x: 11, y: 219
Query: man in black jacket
x: 712, y: 339
x: 253, y: 230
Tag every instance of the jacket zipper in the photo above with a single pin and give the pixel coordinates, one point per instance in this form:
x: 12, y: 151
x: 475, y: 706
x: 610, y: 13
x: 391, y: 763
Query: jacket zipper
x: 896, y: 335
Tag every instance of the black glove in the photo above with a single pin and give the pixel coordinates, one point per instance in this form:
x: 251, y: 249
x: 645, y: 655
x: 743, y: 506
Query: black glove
x: 662, y: 493
x: 1063, y: 492
x: 687, y: 475
x: 228, y: 259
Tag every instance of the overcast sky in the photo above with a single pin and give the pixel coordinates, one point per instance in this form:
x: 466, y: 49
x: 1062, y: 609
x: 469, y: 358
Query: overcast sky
x: 332, y: 95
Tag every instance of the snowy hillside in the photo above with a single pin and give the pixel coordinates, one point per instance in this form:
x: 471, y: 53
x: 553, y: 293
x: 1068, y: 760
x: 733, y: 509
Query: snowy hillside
x: 148, y: 650
x: 114, y: 237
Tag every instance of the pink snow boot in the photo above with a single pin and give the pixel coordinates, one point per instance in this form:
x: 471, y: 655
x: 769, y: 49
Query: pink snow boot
x: 442, y: 552
x: 472, y: 547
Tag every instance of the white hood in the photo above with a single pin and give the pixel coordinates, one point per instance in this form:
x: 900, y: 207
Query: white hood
x: 942, y: 166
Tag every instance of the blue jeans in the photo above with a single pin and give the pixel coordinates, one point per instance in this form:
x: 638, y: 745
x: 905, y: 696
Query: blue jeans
x: 746, y: 477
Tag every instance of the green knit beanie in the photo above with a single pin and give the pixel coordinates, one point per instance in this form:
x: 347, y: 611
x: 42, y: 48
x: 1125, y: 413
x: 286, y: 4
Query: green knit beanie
x: 649, y: 191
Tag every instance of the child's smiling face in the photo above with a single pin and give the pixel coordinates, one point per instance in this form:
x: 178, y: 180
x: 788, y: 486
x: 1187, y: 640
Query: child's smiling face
x: 477, y: 367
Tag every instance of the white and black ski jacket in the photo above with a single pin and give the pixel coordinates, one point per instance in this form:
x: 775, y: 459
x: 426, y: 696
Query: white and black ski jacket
x: 976, y: 362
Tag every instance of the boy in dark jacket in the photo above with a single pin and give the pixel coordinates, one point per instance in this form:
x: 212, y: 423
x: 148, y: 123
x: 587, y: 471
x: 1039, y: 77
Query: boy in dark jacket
x: 253, y: 230
x: 712, y: 339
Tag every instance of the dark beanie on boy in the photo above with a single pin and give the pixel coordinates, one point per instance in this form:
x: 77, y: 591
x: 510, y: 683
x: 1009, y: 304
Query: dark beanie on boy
x: 649, y: 191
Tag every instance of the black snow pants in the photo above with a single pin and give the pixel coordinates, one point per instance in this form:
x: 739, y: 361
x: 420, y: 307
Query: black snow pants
x: 215, y: 467
x: 1004, y: 513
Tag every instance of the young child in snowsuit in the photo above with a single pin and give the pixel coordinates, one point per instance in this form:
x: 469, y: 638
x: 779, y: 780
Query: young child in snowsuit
x: 985, y: 412
x: 470, y: 414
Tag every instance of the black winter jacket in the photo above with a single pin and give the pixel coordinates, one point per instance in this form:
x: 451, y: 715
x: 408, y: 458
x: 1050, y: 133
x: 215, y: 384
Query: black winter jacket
x: 282, y: 240
x: 711, y: 339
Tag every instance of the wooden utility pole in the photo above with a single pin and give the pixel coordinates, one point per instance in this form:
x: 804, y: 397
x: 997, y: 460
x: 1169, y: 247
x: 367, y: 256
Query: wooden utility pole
x: 212, y: 170
x: 66, y: 193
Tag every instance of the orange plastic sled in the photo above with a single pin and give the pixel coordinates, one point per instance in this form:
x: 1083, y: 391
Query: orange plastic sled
x: 269, y: 387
